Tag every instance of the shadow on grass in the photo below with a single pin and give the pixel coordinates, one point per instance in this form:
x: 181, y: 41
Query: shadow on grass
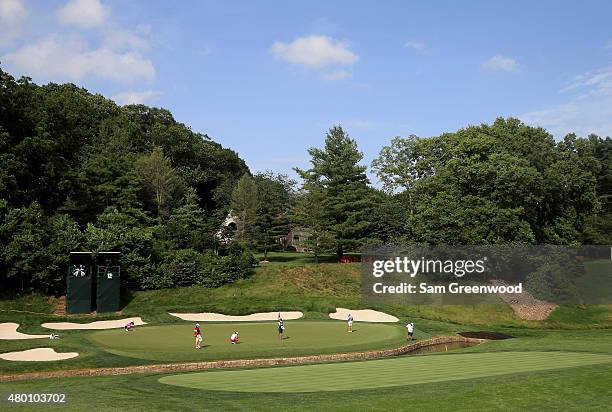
x: 296, y: 258
x: 127, y: 296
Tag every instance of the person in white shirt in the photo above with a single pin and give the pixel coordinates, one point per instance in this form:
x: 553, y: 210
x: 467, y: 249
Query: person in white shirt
x: 234, y: 338
x: 410, y: 327
x: 350, y: 322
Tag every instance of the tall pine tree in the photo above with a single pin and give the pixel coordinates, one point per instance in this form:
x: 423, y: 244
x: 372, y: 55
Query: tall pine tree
x: 336, y: 171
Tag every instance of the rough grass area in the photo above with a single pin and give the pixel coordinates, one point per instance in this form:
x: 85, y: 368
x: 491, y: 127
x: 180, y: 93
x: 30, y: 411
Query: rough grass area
x: 28, y: 303
x: 310, y: 288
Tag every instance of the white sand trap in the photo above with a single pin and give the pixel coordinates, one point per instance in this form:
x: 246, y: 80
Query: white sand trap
x: 219, y: 317
x: 37, y: 355
x: 100, y: 324
x: 8, y: 331
x: 363, y: 315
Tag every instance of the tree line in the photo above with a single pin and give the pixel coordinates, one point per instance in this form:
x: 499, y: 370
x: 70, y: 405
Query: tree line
x: 78, y: 172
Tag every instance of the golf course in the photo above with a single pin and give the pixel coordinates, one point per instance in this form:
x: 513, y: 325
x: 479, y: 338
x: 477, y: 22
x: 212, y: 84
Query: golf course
x: 305, y: 206
x: 572, y: 348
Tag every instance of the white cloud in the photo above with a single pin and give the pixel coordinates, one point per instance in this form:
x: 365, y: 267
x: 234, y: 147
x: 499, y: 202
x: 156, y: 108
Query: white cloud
x: 581, y: 117
x: 121, y: 40
x: 12, y: 15
x: 500, y: 62
x: 414, y: 45
x: 315, y: 52
x: 83, y: 13
x: 596, y: 82
x: 59, y: 58
x: 135, y: 97
x: 338, y: 75
x: 588, y: 109
x: 12, y: 11
x: 608, y: 45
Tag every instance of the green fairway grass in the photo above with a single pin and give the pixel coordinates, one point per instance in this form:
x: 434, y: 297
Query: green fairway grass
x: 579, y: 388
x: 176, y: 343
x: 571, y: 389
x: 382, y: 373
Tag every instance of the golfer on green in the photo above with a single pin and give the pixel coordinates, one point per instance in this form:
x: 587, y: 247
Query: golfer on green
x: 281, y: 328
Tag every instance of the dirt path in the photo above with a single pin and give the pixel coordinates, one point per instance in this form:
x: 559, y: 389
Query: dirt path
x: 524, y: 305
x: 226, y: 364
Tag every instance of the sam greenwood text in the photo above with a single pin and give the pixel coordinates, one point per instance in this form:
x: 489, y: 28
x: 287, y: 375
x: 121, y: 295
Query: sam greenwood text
x: 453, y: 288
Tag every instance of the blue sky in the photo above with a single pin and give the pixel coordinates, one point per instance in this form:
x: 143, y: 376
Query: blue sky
x: 267, y: 79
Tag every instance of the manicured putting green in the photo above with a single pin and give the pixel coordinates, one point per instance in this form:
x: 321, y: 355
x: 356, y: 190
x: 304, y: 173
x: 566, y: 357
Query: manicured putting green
x: 382, y: 373
x: 175, y: 342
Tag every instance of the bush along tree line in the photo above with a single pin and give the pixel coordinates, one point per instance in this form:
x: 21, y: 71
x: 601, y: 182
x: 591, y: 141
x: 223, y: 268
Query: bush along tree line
x: 78, y: 172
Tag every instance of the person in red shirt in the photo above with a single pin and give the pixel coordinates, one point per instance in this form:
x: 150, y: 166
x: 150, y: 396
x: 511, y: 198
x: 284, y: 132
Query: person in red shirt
x: 197, y: 333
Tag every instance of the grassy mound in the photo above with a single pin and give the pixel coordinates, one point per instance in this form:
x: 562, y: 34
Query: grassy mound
x: 288, y: 282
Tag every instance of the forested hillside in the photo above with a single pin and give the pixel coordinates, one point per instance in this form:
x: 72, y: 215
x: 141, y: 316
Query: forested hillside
x: 78, y: 172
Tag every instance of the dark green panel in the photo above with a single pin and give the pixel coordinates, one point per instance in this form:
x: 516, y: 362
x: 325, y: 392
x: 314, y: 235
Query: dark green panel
x: 79, y: 282
x: 109, y: 282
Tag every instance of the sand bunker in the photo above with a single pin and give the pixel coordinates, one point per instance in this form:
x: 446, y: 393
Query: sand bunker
x: 8, y: 331
x: 219, y: 317
x: 363, y: 315
x: 100, y: 324
x: 37, y: 355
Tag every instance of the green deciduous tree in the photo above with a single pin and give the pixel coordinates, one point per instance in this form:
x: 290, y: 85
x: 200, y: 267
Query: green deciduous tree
x: 160, y: 178
x: 274, y: 201
x: 499, y: 183
x: 244, y: 208
x: 24, y: 236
